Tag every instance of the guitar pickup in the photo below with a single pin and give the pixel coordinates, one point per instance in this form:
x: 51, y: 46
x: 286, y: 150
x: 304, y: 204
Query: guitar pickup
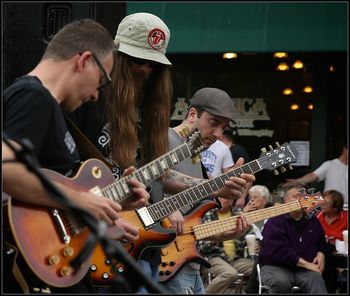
x: 145, y: 217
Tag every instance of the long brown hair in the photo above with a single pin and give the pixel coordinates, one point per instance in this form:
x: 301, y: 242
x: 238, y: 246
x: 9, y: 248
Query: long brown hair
x: 121, y: 113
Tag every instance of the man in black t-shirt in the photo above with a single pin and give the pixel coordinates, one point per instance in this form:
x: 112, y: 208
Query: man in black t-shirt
x: 72, y: 71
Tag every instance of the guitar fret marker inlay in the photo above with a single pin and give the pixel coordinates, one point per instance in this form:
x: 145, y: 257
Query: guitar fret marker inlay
x: 163, y: 164
x: 174, y: 158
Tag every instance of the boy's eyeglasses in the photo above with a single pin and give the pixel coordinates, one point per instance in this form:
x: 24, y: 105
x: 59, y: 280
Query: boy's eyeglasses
x: 106, y: 78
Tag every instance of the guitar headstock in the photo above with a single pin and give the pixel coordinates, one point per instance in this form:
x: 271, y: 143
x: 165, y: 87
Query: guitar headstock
x: 196, y: 145
x: 310, y: 201
x: 278, y: 157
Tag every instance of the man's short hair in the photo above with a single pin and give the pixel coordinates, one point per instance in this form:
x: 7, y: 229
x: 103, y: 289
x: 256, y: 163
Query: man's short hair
x: 79, y: 36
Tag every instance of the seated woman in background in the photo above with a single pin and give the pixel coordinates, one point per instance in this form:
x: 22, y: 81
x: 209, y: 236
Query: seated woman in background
x: 333, y: 220
x: 332, y: 216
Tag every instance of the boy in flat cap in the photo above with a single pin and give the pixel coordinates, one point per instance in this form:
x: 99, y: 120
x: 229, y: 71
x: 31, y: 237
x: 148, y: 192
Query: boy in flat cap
x: 210, y: 111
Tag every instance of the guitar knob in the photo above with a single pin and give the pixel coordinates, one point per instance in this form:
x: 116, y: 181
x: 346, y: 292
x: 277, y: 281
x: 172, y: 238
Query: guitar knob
x: 172, y: 263
x: 93, y: 267
x: 66, y: 271
x: 290, y: 166
x: 263, y: 149
x: 271, y: 148
x: 283, y: 169
x: 53, y: 260
x: 278, y: 144
x: 68, y: 251
x: 165, y: 264
x: 120, y: 268
x: 276, y: 172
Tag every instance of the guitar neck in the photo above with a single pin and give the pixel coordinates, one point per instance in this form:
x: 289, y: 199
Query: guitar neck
x: 164, y: 208
x: 209, y: 229
x: 120, y: 189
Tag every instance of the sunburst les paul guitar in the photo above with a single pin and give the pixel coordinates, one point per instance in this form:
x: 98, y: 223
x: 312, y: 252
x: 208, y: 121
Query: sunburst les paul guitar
x: 147, y: 219
x: 49, y: 239
x: 185, y: 246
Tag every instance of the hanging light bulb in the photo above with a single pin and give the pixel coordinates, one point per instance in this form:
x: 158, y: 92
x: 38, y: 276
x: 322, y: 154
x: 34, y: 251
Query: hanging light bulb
x: 280, y: 55
x: 229, y: 55
x: 308, y: 89
x: 298, y: 64
x: 287, y: 91
x: 294, y: 107
x: 282, y: 67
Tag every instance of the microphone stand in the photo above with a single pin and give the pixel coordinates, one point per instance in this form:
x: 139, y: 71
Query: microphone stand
x: 98, y: 228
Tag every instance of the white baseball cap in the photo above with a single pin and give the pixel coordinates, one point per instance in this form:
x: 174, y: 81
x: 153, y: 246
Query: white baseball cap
x: 145, y: 36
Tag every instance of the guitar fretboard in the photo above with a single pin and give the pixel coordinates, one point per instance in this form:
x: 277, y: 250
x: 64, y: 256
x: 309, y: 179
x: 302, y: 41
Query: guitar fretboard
x: 164, y: 208
x: 206, y: 230
x: 120, y: 190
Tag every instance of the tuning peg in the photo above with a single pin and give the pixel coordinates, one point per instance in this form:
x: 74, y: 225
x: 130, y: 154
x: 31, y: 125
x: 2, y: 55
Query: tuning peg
x: 278, y: 144
x: 283, y: 169
x: 290, y: 166
x: 311, y: 190
x: 263, y: 149
x: 271, y: 148
x: 276, y: 172
x: 184, y: 131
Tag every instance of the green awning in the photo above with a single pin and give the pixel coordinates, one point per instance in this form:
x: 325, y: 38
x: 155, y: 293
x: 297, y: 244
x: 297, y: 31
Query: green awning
x: 207, y: 27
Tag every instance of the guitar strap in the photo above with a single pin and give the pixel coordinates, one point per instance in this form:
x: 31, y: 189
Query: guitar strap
x: 15, y: 269
x: 86, y: 148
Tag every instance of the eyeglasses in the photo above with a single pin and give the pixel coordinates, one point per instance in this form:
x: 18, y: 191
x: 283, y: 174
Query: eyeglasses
x: 144, y: 62
x: 106, y: 78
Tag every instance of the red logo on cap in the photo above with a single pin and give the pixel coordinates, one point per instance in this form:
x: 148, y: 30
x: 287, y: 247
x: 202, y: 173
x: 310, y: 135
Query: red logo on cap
x: 156, y: 38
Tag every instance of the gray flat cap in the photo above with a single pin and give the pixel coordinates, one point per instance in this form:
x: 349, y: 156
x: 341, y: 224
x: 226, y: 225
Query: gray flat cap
x: 214, y: 101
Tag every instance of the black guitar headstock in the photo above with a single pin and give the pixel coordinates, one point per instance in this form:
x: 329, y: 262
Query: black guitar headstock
x: 278, y: 157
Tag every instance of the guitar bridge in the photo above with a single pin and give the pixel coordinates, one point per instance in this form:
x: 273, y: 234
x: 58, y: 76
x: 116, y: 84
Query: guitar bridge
x: 145, y: 217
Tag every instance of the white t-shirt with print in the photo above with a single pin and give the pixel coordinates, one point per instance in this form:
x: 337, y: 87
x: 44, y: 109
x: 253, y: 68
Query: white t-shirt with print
x: 335, y: 175
x: 216, y: 158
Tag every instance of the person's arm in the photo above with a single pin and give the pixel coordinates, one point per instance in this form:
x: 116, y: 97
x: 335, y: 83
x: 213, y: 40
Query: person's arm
x: 175, y: 182
x: 308, y: 265
x: 304, y: 180
x: 20, y: 183
x: 233, y: 189
x: 25, y: 186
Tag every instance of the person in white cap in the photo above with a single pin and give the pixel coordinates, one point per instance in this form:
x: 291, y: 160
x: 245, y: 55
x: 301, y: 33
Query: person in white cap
x: 135, y: 108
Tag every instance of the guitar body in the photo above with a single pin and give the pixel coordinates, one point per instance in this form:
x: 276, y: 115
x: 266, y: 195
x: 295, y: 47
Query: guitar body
x: 39, y: 238
x: 102, y: 269
x: 184, y: 248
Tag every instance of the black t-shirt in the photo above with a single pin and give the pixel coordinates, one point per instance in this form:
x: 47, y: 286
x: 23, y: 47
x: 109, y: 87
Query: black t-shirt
x: 238, y: 151
x: 31, y: 112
